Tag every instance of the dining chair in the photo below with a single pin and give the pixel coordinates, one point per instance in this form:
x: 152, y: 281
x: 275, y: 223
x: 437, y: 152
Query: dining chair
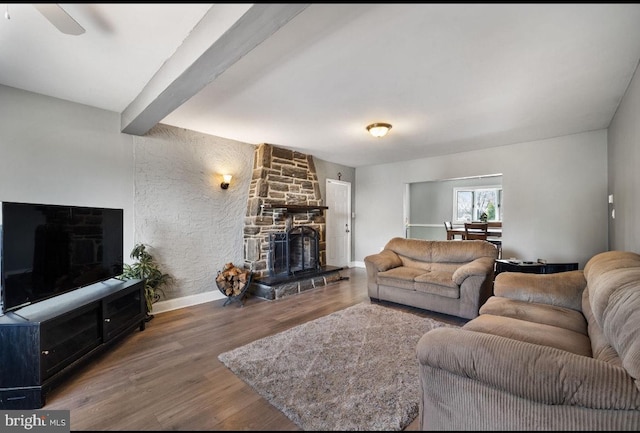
x: 451, y: 235
x: 493, y: 239
x: 476, y: 231
x: 480, y: 231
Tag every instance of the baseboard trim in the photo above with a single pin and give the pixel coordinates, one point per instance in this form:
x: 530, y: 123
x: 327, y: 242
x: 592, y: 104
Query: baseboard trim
x: 201, y: 298
x: 186, y: 301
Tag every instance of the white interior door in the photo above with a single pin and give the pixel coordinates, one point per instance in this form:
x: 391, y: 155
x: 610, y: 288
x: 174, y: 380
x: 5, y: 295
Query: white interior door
x: 338, y: 223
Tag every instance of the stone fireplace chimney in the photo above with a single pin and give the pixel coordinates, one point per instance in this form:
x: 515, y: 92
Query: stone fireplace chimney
x: 284, y: 193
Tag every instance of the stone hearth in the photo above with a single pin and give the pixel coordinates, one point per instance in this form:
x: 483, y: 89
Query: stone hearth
x: 277, y: 287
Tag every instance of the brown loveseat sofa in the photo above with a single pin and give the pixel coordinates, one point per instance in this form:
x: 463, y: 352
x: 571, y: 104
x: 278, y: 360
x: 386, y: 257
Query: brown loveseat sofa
x: 450, y: 277
x: 548, y: 352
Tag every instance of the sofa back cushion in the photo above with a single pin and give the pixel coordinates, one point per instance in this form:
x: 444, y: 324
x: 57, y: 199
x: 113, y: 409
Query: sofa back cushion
x: 613, y: 284
x: 451, y: 254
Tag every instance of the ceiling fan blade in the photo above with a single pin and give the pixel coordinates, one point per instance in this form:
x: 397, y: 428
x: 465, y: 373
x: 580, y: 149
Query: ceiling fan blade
x: 60, y: 18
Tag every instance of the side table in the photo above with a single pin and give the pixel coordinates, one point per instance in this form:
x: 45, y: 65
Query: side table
x: 503, y: 265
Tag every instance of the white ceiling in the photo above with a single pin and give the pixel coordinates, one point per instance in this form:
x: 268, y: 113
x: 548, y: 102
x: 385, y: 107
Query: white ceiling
x: 449, y: 77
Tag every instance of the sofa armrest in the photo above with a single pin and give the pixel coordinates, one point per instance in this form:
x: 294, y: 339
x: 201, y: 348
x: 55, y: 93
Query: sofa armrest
x: 481, y: 266
x: 563, y: 289
x: 383, y: 261
x: 538, y: 373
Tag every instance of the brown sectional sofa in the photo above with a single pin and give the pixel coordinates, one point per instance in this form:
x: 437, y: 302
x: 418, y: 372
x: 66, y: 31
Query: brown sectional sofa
x: 548, y: 352
x: 450, y: 277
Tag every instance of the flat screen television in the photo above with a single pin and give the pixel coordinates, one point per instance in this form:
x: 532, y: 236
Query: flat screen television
x: 47, y: 250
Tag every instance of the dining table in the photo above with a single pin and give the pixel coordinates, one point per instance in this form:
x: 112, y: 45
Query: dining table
x: 494, y: 230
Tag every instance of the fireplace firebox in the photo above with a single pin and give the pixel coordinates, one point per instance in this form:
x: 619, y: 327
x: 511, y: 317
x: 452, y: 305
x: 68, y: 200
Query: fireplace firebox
x: 293, y: 251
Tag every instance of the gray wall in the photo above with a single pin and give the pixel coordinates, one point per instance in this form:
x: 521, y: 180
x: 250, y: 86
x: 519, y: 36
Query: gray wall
x: 624, y: 172
x: 57, y: 152
x: 554, y: 191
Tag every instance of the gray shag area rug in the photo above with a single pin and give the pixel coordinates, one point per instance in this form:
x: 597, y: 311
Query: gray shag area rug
x: 355, y: 369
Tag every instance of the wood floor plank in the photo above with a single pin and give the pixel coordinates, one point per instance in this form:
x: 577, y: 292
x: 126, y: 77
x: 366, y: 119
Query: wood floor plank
x: 168, y: 376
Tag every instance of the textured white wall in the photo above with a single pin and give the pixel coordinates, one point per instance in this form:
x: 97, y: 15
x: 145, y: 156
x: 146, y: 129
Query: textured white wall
x: 191, y: 225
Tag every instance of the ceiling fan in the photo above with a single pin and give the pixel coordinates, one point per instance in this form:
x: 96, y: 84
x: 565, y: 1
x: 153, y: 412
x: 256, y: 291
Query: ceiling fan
x: 60, y: 18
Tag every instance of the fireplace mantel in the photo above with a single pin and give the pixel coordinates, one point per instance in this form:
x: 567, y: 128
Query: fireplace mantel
x: 293, y: 208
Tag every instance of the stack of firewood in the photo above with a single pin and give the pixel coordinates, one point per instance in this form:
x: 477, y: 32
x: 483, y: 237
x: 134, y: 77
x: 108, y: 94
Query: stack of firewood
x: 232, y: 280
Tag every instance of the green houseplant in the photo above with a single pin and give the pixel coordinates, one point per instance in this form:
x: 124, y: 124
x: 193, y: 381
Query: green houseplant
x: 147, y: 268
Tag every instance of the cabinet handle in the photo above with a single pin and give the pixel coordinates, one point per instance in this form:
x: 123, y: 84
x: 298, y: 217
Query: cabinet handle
x: 45, y: 352
x: 107, y: 320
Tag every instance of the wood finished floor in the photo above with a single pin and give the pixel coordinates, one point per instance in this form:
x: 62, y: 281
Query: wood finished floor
x: 168, y: 376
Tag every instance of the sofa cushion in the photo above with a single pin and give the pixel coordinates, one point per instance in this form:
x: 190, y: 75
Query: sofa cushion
x: 441, y: 252
x: 440, y: 278
x: 613, y: 281
x: 413, y: 263
x: 477, y: 267
x: 608, y: 260
x: 605, y: 273
x: 531, y: 332
x: 437, y: 283
x: 384, y: 260
x: 450, y: 252
x: 562, y: 288
x: 449, y: 268
x: 546, y: 314
x: 600, y: 347
x: 416, y: 249
x: 436, y: 289
x: 402, y: 276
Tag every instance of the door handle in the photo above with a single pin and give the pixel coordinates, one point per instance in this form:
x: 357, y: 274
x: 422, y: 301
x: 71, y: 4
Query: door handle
x: 346, y: 228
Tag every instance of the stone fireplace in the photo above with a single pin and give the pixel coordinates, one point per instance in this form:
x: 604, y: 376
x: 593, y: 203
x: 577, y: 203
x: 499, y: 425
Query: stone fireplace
x: 284, y: 230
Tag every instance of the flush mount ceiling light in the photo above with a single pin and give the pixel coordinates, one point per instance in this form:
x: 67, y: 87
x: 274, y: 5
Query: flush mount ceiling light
x: 379, y: 129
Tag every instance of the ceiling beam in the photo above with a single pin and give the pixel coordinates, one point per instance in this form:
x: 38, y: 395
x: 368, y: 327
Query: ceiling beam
x: 187, y: 71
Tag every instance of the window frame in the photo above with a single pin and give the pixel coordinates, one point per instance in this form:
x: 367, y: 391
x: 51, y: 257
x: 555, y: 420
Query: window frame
x: 473, y: 189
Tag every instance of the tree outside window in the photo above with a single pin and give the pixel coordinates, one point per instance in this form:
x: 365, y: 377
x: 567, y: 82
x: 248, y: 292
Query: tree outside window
x: 470, y: 203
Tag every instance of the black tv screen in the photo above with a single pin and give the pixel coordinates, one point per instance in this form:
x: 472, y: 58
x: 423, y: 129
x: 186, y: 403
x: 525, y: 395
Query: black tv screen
x: 47, y: 250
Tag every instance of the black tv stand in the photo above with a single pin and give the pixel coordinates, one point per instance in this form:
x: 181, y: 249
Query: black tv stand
x: 40, y: 344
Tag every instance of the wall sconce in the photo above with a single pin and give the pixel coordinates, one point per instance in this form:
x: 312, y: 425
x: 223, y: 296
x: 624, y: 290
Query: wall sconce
x: 379, y: 129
x: 226, y: 179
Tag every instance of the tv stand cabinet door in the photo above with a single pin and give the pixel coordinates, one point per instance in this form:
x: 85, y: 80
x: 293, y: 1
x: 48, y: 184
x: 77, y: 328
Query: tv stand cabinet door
x: 68, y: 337
x: 19, y: 363
x: 123, y: 310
